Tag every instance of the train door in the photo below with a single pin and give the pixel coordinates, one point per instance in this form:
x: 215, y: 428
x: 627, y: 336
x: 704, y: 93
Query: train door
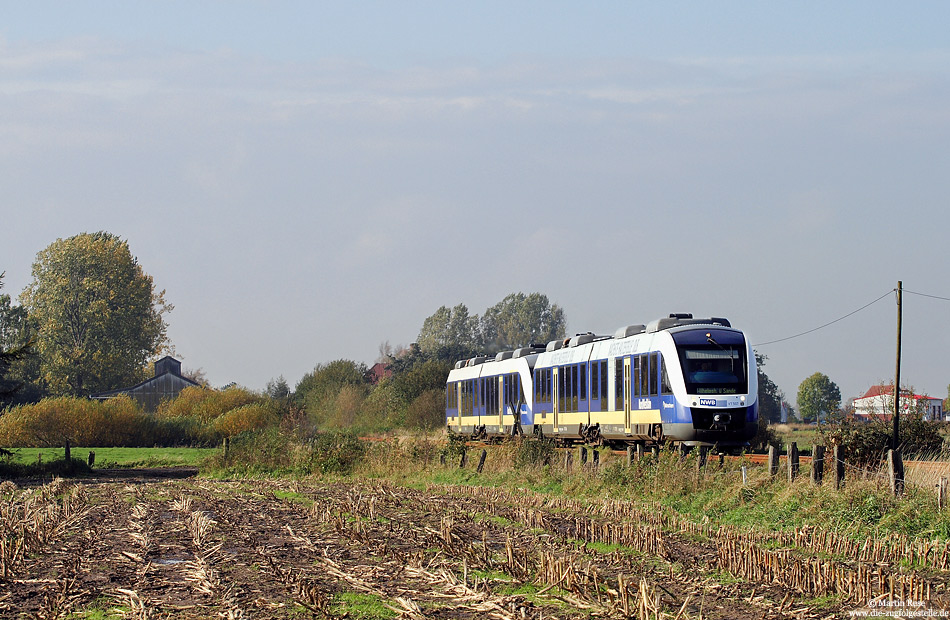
x: 555, y: 396
x: 626, y: 396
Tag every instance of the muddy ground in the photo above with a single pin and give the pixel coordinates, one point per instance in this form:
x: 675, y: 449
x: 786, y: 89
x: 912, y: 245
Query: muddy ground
x: 166, y: 547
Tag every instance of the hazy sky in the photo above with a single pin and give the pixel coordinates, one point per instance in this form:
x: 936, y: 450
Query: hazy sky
x: 307, y: 180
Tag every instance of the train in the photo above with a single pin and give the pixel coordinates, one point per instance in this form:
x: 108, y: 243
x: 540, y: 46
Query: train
x: 680, y: 379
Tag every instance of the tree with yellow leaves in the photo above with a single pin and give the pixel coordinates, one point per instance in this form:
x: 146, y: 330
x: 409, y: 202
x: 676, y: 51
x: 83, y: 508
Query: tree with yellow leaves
x: 99, y: 319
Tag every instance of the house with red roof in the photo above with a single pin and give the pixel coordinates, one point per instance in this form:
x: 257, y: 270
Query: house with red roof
x: 378, y: 372
x: 878, y: 403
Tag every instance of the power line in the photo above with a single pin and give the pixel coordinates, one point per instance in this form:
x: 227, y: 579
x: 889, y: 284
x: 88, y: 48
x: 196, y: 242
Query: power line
x: 761, y: 344
x: 926, y: 295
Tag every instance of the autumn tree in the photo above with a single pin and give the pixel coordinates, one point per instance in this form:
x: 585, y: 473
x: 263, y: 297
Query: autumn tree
x: 818, y: 398
x: 98, y: 316
x: 519, y: 320
x: 333, y: 393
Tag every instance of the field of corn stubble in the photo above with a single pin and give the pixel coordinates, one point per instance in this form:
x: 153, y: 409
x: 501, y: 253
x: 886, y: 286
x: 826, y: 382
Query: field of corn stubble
x: 293, y: 549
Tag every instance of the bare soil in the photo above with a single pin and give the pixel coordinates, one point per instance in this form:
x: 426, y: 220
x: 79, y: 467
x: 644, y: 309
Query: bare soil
x: 162, y: 546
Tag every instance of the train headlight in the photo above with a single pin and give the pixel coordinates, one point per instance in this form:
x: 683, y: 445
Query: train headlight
x: 742, y: 399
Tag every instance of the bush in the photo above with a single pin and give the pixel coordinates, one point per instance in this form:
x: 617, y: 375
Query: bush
x: 60, y: 467
x: 270, y: 451
x: 427, y: 412
x: 336, y: 452
x: 243, y: 419
x: 82, y: 422
x: 531, y: 452
x: 765, y: 436
x: 205, y: 404
x: 867, y: 443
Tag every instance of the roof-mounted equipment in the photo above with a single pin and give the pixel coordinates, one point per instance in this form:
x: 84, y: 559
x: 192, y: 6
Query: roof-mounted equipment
x: 629, y: 330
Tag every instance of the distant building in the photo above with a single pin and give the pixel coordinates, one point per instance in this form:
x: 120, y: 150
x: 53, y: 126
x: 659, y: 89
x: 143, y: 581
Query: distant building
x: 378, y: 372
x: 165, y: 385
x: 878, y: 403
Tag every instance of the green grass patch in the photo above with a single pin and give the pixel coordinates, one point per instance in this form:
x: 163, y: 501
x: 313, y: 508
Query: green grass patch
x: 357, y: 605
x: 599, y: 547
x: 292, y: 496
x: 489, y: 575
x: 100, y: 609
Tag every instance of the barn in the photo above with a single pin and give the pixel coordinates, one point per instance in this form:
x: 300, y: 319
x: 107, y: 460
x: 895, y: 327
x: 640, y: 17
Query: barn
x: 165, y: 385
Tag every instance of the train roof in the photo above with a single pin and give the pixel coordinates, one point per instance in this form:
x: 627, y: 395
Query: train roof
x: 662, y: 324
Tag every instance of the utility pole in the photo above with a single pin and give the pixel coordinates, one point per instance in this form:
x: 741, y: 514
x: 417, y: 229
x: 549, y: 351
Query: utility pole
x: 897, y: 373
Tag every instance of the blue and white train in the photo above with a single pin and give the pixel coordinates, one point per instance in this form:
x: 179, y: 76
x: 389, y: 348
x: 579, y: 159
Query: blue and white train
x: 677, y: 379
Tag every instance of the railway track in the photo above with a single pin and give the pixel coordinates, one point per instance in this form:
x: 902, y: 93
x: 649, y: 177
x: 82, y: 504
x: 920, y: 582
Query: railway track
x: 933, y: 468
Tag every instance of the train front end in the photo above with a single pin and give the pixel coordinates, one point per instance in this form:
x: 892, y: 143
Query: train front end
x: 716, y: 395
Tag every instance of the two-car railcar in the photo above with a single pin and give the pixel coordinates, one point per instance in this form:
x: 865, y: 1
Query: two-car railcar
x: 677, y: 379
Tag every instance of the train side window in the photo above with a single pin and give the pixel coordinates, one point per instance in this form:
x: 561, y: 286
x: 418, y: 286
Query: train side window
x: 583, y: 380
x: 654, y: 375
x: 639, y: 385
x: 451, y: 396
x: 635, y: 377
x: 549, y: 383
x: 574, y: 388
x: 593, y: 380
x: 568, y: 387
x: 603, y: 385
x: 665, y: 387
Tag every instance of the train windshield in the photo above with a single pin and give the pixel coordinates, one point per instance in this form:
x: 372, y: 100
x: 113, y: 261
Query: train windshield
x: 713, y: 365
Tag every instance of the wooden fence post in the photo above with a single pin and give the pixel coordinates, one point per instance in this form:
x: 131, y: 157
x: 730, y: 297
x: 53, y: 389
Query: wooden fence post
x: 838, y: 466
x: 639, y: 451
x: 481, y: 460
x: 895, y: 470
x: 568, y: 461
x: 464, y: 460
x: 595, y: 457
x: 629, y: 456
x: 701, y: 460
x: 792, y: 461
x: 817, y: 463
x: 942, y: 493
x: 583, y: 455
x: 773, y: 461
